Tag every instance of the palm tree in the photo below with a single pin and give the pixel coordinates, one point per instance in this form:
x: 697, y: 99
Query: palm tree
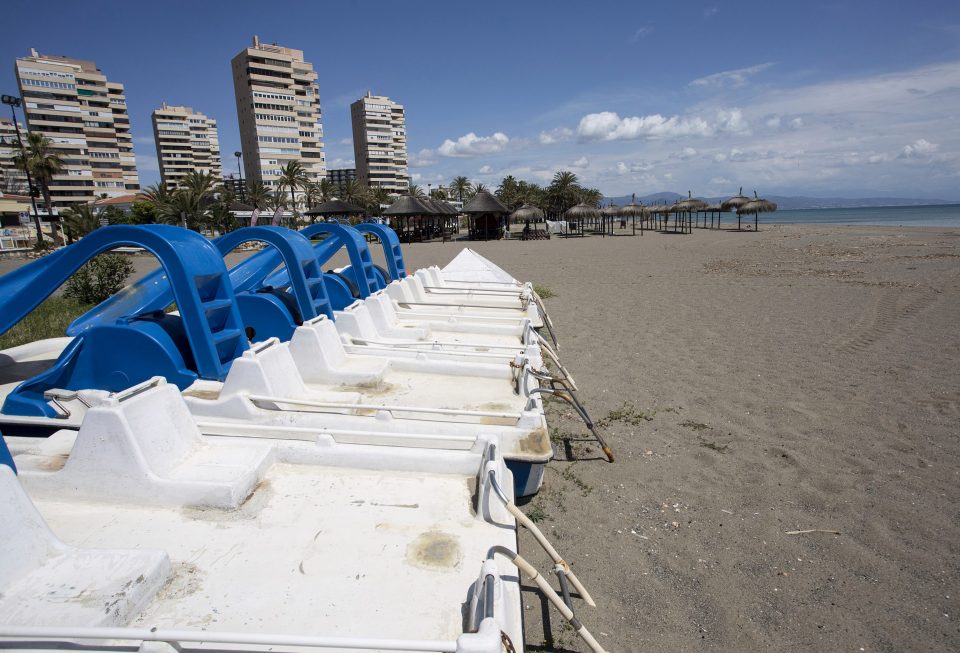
x: 479, y: 188
x: 377, y: 197
x: 80, y: 220
x: 439, y: 193
x: 328, y: 189
x: 258, y: 195
x: 293, y: 176
x: 312, y: 193
x: 461, y: 186
x: 415, y: 191
x: 200, y: 183
x: 39, y: 158
x: 354, y: 192
x: 157, y: 194
x: 563, y: 190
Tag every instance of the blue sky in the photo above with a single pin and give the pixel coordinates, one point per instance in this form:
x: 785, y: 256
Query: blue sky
x: 818, y: 98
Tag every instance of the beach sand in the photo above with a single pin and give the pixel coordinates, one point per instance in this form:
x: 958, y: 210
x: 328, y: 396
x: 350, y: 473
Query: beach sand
x: 803, y: 377
x: 750, y: 384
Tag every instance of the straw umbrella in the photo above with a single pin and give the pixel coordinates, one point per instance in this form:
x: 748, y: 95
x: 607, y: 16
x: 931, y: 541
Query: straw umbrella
x: 634, y: 210
x: 527, y: 212
x: 581, y: 212
x: 735, y: 202
x: 690, y: 205
x: 611, y: 213
x: 755, y: 206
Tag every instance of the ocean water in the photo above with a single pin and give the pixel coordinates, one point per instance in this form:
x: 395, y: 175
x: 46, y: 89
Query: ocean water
x: 943, y: 215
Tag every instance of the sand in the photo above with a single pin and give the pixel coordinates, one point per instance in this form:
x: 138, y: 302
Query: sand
x: 803, y: 377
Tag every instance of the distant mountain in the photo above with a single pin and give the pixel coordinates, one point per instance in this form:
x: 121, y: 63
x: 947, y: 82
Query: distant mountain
x: 785, y: 202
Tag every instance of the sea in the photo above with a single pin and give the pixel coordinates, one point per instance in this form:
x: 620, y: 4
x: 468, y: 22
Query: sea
x: 937, y: 215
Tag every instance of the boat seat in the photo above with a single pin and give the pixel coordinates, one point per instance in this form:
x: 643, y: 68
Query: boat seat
x: 321, y: 358
x: 48, y: 583
x: 268, y: 369
x: 142, y: 446
x: 357, y: 321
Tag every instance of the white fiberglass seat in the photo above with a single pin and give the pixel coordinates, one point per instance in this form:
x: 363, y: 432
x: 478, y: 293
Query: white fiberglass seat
x: 410, y: 295
x: 46, y: 582
x: 124, y: 453
x: 357, y: 325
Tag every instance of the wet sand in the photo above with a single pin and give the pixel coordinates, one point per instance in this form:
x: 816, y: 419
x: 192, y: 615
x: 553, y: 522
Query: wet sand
x: 803, y: 377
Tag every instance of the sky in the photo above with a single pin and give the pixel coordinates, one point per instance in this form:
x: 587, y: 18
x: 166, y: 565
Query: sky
x: 831, y: 99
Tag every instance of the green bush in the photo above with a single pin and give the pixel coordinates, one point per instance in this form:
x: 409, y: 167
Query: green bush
x: 97, y: 280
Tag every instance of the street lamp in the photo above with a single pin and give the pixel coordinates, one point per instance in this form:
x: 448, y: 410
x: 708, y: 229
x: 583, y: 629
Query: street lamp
x: 13, y: 101
x: 243, y: 194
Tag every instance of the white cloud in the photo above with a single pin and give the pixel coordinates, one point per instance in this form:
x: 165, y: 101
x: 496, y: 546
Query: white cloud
x: 773, y: 122
x: 557, y: 135
x: 796, y: 123
x: 640, y: 33
x: 485, y: 170
x: 732, y: 78
x: 582, y: 162
x: 472, y: 145
x: 340, y: 162
x: 710, y: 11
x: 687, y: 153
x: 424, y: 157
x: 608, y: 126
x: 920, y: 148
x: 345, y: 141
x: 636, y: 167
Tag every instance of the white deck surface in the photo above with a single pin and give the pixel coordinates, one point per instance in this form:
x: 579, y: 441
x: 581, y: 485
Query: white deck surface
x: 314, y: 550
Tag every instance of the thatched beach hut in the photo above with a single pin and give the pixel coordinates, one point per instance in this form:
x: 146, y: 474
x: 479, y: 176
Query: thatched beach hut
x: 487, y: 216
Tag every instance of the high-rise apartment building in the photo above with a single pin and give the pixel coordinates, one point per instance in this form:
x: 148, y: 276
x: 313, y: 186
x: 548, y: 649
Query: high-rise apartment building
x: 342, y: 176
x: 380, y: 142
x: 186, y: 140
x: 12, y: 180
x: 71, y: 102
x: 278, y: 108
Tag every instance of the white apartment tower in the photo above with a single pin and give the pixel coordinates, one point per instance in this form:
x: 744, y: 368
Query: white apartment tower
x: 380, y: 143
x: 12, y: 179
x: 278, y: 108
x: 72, y: 103
x: 186, y: 140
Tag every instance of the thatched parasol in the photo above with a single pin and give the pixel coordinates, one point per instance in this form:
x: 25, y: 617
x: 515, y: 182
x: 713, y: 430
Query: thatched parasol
x: 335, y: 207
x: 634, y: 211
x: 582, y: 211
x: 690, y: 204
x: 755, y: 206
x: 735, y: 202
x: 527, y: 212
x: 485, y: 202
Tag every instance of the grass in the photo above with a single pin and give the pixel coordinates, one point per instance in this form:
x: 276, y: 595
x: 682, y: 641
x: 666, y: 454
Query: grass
x: 538, y: 514
x: 719, y: 448
x: 696, y: 426
x: 571, y: 476
x: 543, y: 291
x: 628, y: 414
x: 49, y: 320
